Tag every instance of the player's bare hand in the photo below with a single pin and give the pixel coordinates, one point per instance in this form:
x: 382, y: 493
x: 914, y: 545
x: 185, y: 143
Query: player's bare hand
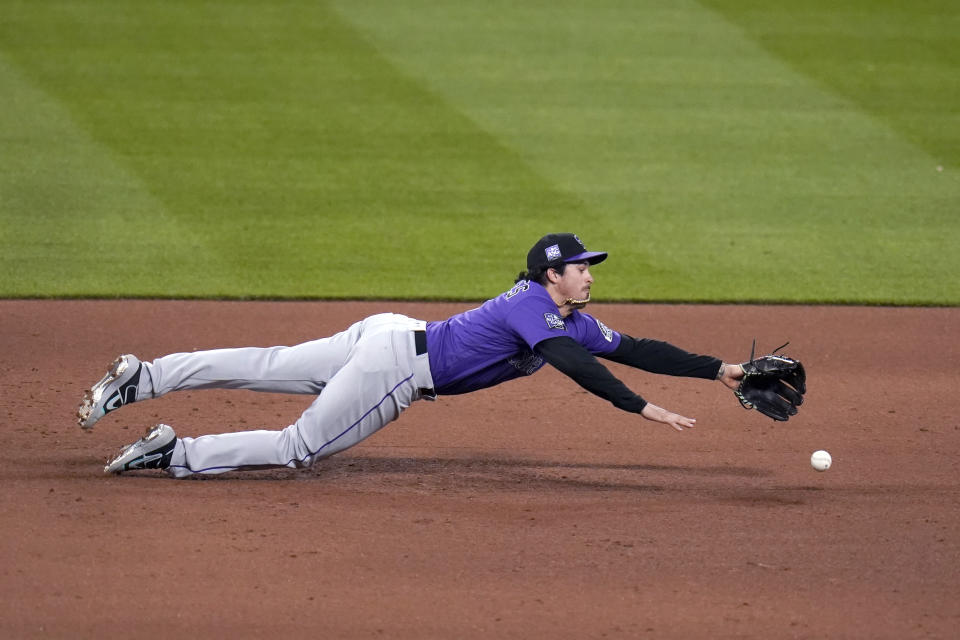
x: 675, y: 420
x: 730, y: 375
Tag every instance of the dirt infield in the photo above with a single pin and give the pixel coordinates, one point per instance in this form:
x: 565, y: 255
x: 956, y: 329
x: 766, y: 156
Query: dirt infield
x: 533, y: 510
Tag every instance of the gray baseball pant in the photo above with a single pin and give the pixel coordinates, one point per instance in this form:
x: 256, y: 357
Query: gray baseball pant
x: 363, y: 378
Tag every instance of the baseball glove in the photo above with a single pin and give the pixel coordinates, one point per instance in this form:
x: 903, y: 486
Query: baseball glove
x: 772, y: 384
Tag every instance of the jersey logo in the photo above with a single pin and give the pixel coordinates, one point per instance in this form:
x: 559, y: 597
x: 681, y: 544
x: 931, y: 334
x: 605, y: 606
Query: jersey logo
x: 526, y: 363
x: 554, y: 321
x: 605, y: 330
x: 520, y: 287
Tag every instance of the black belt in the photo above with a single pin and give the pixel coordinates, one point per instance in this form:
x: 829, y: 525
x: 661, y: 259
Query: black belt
x: 420, y: 339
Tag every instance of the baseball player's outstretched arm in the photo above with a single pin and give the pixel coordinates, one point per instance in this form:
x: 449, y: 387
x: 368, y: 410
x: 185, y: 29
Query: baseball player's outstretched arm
x: 569, y: 357
x: 661, y: 357
x: 656, y: 356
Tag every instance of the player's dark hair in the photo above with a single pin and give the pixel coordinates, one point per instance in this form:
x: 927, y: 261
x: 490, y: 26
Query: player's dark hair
x: 539, y: 274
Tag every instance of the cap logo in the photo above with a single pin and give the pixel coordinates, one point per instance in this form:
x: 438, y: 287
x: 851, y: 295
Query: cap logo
x: 579, y: 241
x: 553, y: 252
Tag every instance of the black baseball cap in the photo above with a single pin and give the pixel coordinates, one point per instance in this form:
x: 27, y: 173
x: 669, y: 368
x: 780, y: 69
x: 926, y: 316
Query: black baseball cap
x: 556, y: 248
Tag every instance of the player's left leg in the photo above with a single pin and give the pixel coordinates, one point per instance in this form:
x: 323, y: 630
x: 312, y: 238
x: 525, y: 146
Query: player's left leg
x: 304, y: 368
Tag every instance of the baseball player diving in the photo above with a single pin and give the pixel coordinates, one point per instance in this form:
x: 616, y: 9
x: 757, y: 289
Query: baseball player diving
x: 364, y: 377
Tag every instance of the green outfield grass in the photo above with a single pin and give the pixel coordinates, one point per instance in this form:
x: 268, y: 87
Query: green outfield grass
x: 720, y: 150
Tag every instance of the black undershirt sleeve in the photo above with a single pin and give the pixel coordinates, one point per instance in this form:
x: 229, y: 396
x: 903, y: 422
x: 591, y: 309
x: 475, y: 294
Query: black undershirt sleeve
x: 662, y: 357
x: 572, y: 359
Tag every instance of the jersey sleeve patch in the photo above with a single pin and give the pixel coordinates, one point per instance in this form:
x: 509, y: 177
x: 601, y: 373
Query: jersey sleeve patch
x: 554, y: 321
x: 605, y: 330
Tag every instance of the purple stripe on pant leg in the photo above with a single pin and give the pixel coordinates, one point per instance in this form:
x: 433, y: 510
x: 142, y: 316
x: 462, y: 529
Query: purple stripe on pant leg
x: 324, y: 446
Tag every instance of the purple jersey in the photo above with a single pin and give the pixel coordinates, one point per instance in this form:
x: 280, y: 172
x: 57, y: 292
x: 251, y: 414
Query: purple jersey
x: 495, y: 342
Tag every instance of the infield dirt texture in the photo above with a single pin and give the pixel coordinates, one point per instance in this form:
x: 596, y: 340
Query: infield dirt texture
x: 533, y: 510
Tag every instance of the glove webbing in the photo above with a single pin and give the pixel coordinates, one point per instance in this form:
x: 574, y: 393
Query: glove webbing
x: 743, y: 401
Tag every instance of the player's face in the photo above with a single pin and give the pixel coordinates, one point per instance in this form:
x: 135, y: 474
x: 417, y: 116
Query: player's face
x: 574, y: 283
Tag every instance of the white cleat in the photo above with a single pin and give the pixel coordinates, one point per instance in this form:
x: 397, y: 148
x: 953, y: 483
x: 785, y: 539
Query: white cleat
x: 117, y: 388
x: 152, y: 451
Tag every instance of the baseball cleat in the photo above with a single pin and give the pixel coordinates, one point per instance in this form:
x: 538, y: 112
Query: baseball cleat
x: 152, y: 451
x: 117, y: 388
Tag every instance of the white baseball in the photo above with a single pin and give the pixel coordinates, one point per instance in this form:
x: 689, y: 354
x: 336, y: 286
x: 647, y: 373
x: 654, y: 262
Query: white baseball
x: 821, y: 460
